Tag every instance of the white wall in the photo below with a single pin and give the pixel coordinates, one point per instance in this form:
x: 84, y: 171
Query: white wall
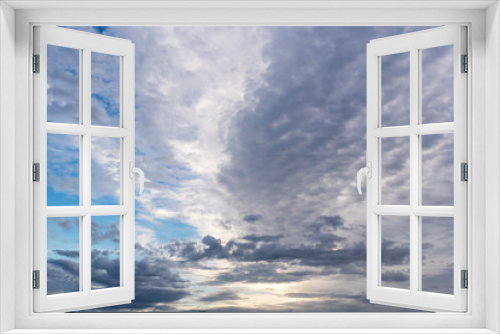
x: 492, y: 167
x: 7, y: 160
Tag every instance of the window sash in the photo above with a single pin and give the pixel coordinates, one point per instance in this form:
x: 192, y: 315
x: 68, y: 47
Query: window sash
x: 86, y: 297
x: 412, y: 43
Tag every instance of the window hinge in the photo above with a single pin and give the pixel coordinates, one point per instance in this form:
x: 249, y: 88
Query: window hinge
x: 465, y: 64
x: 36, y: 279
x: 36, y: 63
x: 464, y: 171
x: 465, y: 279
x: 36, y: 172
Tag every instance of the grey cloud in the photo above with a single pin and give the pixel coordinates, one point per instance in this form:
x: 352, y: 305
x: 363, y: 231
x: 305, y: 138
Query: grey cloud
x: 262, y: 238
x: 394, y: 254
x: 273, y: 250
x: 262, y: 273
x: 156, y: 285
x: 335, y: 221
x: 71, y: 267
x: 63, y: 81
x: 67, y: 224
x: 62, y: 276
x: 252, y: 218
x: 67, y: 253
x: 105, y: 269
x: 221, y: 296
x: 101, y: 232
x: 395, y: 276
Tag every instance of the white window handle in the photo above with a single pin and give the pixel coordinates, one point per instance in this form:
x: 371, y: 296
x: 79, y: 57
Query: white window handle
x: 132, y: 171
x: 366, y: 170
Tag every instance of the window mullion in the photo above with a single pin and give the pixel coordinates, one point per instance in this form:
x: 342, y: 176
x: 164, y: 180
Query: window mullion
x: 414, y: 170
x: 85, y: 243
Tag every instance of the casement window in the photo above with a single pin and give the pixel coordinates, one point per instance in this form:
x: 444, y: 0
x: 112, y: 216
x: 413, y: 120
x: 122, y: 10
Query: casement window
x: 471, y: 131
x: 91, y: 137
x: 421, y: 128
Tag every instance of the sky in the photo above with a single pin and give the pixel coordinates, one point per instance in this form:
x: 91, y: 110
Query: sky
x: 250, y: 139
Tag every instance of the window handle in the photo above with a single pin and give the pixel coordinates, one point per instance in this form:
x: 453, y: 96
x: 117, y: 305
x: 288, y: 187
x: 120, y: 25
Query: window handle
x: 366, y: 170
x: 132, y: 171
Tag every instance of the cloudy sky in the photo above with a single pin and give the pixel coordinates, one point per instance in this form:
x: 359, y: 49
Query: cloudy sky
x: 250, y: 139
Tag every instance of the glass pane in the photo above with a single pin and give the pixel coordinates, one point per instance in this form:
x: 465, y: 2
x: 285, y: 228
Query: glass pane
x: 437, y: 254
x: 395, y: 90
x: 437, y: 169
x: 105, y: 252
x: 63, y: 170
x: 63, y: 255
x: 437, y: 84
x: 105, y: 89
x: 106, y: 171
x: 395, y: 170
x: 395, y: 262
x: 63, y: 84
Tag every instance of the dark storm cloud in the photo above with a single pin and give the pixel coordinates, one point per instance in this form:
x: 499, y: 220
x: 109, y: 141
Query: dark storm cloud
x: 273, y: 250
x: 281, y: 142
x: 335, y: 222
x: 67, y: 224
x: 101, y: 232
x: 262, y: 238
x: 324, y: 295
x: 62, y: 276
x: 155, y: 286
x: 71, y: 267
x: 262, y: 273
x: 395, y: 276
x: 252, y: 218
x: 221, y: 296
x: 394, y: 254
x: 105, y: 268
x: 270, y: 248
x: 151, y: 295
x: 67, y: 253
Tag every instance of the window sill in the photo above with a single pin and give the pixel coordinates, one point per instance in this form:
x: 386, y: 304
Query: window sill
x: 251, y: 331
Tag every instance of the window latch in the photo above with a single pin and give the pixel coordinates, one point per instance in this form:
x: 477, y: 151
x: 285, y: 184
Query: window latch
x: 132, y: 171
x: 366, y: 170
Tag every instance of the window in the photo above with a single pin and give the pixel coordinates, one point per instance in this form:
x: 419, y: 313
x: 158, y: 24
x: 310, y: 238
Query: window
x: 69, y: 137
x: 484, y: 235
x: 426, y: 124
x: 259, y: 264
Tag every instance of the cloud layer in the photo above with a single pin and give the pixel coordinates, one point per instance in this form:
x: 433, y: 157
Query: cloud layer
x: 250, y: 138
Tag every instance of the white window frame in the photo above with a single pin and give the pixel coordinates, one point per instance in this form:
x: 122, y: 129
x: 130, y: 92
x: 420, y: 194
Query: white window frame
x: 482, y: 19
x: 86, y: 44
x: 413, y: 44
